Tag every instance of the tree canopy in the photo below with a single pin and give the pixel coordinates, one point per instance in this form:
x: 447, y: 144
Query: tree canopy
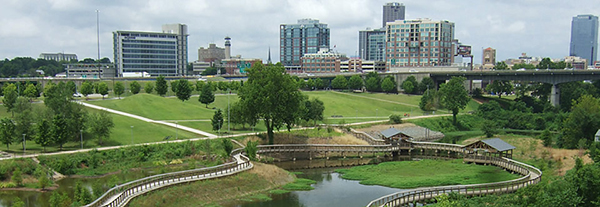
x: 454, y: 96
x: 206, y: 95
x: 161, y: 85
x: 184, y: 90
x: 271, y: 94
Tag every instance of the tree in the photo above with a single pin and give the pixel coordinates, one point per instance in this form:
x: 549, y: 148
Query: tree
x: 59, y: 130
x: 23, y: 120
x: 59, y: 200
x: 103, y: 89
x: 43, y: 133
x: 17, y: 177
x: 217, y: 120
x: 119, y: 89
x: 408, y: 87
x: 149, y: 87
x: 355, y: 82
x: 200, y: 85
x: 271, y: 94
x: 429, y: 100
x: 184, y: 90
x: 206, y: 95
x: 18, y: 202
x: 31, y: 91
x: 387, y: 85
x: 161, y: 85
x: 135, y: 87
x: 10, y: 97
x: 395, y: 119
x: 582, y: 122
x: 425, y: 84
x: 546, y: 138
x: 43, y: 180
x: 227, y: 146
x: 100, y: 125
x: 500, y: 87
x: 339, y: 82
x: 489, y: 128
x: 174, y: 86
x: 71, y: 87
x: 501, y: 66
x: 454, y: 96
x: 313, y: 110
x: 319, y: 84
x: 86, y: 88
x: 372, y: 84
x: 7, y: 131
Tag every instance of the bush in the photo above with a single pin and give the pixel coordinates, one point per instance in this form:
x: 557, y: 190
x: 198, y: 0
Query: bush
x: 395, y: 119
x: 227, y: 146
x: 17, y: 177
x: 251, y: 149
x: 489, y: 128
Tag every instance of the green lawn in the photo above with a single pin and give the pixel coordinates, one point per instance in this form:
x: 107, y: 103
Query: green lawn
x: 348, y: 105
x: 424, y: 173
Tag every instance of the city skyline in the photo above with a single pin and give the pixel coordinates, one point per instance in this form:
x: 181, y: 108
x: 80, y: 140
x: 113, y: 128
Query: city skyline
x: 535, y: 27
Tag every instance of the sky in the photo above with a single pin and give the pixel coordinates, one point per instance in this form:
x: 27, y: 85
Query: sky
x: 540, y: 28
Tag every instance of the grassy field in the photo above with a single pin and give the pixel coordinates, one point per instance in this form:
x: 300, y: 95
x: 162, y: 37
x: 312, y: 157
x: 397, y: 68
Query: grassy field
x: 424, y: 173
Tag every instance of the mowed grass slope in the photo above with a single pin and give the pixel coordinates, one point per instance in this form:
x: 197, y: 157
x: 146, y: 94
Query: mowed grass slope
x: 348, y: 105
x: 425, y: 173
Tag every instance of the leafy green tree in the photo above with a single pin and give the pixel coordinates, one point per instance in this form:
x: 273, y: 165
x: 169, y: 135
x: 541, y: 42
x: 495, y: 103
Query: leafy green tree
x: 149, y: 87
x: 82, y: 195
x: 7, y: 131
x: 339, y: 82
x: 43, y: 181
x: 100, y: 125
x: 217, y: 120
x: 43, y: 133
x: 10, y: 97
x: 223, y: 85
x: 119, y: 89
x: 31, y: 91
x: 355, y: 82
x: 251, y: 149
x: 271, y: 94
x: 227, y: 146
x: 206, y: 96
x: 582, y: 122
x: 425, y: 84
x: 59, y: 130
x: 319, y: 83
x: 454, y: 96
x: 184, y: 90
x: 408, y: 87
x: 429, y: 100
x: 174, y: 86
x: 395, y: 119
x: 489, y: 128
x: 161, y: 85
x: 546, y: 138
x: 500, y: 87
x: 23, y: 120
x: 86, y: 88
x: 313, y: 110
x: 200, y: 85
x: 96, y: 87
x: 372, y: 84
x: 59, y: 200
x: 388, y: 86
x: 135, y: 87
x: 71, y: 87
x: 501, y: 66
x: 103, y: 89
x: 17, y: 177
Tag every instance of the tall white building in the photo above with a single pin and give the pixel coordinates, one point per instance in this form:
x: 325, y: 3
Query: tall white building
x: 158, y: 53
x: 58, y: 56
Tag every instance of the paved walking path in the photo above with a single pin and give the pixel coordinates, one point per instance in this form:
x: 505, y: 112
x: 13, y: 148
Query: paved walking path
x: 174, y: 125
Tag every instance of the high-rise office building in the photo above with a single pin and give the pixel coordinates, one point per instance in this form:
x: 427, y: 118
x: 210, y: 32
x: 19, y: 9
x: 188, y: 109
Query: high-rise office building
x: 158, y: 53
x: 392, y: 12
x: 421, y: 42
x: 307, y: 36
x: 371, y: 42
x: 584, y: 37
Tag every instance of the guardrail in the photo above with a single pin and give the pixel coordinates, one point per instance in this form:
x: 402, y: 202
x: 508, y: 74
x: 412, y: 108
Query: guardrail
x: 122, y: 194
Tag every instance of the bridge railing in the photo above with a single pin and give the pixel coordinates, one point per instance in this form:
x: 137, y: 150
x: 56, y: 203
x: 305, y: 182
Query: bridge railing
x: 325, y: 148
x: 367, y: 137
x: 531, y: 176
x: 126, y: 190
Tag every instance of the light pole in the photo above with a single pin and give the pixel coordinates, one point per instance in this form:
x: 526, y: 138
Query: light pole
x: 228, y: 118
x: 176, y: 134
x: 81, y: 135
x: 131, y: 135
x: 23, y: 144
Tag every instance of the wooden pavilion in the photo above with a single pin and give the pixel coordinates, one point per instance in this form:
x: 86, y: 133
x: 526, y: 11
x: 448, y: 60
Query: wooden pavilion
x: 492, y: 147
x: 394, y: 136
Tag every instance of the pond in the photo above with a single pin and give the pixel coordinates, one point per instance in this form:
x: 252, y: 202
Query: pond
x: 330, y: 190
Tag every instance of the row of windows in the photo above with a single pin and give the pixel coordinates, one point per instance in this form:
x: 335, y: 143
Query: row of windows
x: 149, y: 51
x: 317, y: 65
x: 149, y: 66
x: 148, y: 35
x: 413, y: 60
x: 319, y: 69
x: 424, y: 25
x: 171, y: 47
x: 150, y: 56
x: 150, y: 42
x: 150, y: 61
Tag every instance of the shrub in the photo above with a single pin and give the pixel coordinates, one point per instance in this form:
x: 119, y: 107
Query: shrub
x: 251, y: 149
x: 395, y: 119
x: 227, y: 146
x: 17, y: 177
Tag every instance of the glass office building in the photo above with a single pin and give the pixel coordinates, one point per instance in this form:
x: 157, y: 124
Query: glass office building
x: 372, y: 44
x: 305, y: 37
x: 584, y: 37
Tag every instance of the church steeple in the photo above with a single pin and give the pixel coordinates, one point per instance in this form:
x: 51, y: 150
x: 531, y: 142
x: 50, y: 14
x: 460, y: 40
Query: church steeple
x: 269, y: 60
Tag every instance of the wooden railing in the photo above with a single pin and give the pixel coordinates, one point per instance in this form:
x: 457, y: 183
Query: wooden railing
x: 366, y: 137
x: 531, y: 176
x: 122, y: 194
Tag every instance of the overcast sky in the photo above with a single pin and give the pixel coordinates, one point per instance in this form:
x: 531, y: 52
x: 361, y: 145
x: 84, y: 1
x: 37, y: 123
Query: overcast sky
x: 30, y: 27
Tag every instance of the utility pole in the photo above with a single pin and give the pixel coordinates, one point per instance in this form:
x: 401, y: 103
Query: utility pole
x: 98, y: 40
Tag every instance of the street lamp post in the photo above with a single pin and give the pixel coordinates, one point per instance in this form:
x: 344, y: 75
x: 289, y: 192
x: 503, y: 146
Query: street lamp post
x: 131, y: 135
x: 81, y: 135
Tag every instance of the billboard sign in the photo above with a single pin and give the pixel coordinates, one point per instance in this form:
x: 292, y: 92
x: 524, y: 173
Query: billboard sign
x: 464, y: 50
